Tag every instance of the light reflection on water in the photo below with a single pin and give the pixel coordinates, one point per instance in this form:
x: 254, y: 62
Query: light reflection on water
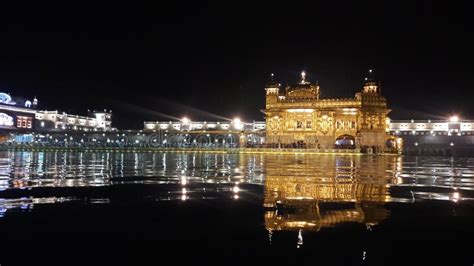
x: 40, y: 169
x: 307, y: 192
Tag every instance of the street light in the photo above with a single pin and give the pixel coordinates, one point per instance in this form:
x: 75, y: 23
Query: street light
x: 238, y: 123
x: 185, y: 120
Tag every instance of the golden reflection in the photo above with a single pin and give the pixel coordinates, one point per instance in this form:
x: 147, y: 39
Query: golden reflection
x: 314, y: 192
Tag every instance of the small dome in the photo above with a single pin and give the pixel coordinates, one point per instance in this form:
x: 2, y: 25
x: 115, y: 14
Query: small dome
x: 303, y: 90
x: 272, y: 83
x: 5, y: 97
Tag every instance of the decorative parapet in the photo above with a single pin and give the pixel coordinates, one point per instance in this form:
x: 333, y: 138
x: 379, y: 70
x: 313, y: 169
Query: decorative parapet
x: 200, y: 126
x: 431, y: 126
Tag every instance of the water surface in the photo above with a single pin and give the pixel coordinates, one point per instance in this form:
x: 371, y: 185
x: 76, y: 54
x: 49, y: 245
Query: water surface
x: 234, y: 209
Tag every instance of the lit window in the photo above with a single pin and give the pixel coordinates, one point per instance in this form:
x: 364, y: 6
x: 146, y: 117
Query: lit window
x: 353, y: 124
x: 299, y: 124
x: 24, y: 122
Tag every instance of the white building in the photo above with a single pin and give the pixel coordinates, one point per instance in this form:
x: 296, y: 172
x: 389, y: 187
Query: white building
x: 453, y: 126
x: 187, y: 125
x: 16, y: 113
x: 53, y: 120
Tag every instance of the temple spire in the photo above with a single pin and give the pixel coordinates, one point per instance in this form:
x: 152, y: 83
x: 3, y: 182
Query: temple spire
x: 272, y: 86
x: 370, y: 75
x: 303, y: 77
x: 371, y: 85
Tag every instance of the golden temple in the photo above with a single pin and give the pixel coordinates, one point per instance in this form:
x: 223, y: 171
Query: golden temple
x: 296, y: 115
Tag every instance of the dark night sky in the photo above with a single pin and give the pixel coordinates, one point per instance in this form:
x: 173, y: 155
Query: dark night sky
x: 193, y: 59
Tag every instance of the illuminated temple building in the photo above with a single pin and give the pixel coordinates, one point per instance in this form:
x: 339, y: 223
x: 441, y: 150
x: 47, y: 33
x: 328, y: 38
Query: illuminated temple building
x: 297, y: 114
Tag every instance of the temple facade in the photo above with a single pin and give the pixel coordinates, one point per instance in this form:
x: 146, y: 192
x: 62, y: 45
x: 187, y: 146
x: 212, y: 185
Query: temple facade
x: 297, y: 115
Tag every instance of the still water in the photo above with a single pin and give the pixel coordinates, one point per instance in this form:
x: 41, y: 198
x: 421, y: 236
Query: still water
x: 234, y: 209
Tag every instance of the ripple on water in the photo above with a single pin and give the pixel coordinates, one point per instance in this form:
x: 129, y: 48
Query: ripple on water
x: 366, y: 182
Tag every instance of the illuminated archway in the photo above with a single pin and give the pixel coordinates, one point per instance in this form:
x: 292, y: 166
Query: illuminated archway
x: 202, y: 140
x: 391, y: 143
x: 345, y: 142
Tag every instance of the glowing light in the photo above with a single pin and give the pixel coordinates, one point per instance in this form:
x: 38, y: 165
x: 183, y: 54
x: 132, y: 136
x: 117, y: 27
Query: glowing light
x: 5, y: 98
x: 303, y: 77
x: 455, y: 197
x: 452, y: 144
x: 300, y: 110
x: 236, y: 189
x: 300, y: 239
x: 454, y: 119
x: 238, y: 123
x: 185, y: 120
x: 349, y: 109
x: 6, y: 120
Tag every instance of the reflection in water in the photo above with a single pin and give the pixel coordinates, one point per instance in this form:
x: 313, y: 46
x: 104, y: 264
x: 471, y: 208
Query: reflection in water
x: 307, y: 193
x: 187, y: 176
x: 26, y: 204
x: 301, y: 192
x: 63, y: 169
